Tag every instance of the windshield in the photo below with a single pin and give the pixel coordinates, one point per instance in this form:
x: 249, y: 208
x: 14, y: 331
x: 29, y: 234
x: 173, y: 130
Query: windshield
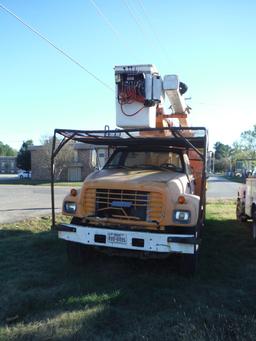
x: 166, y: 159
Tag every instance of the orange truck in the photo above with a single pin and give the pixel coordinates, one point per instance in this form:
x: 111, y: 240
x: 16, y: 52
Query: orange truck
x: 148, y: 200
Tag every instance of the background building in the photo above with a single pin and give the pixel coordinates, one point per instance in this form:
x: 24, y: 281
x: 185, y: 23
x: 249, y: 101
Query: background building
x: 8, y: 164
x: 73, y: 163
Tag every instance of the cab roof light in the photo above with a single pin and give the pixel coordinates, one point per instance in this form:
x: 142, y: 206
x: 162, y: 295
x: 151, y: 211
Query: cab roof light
x: 181, y: 200
x: 73, y: 192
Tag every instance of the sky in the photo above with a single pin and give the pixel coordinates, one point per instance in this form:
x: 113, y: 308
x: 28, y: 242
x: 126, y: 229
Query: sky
x: 210, y: 45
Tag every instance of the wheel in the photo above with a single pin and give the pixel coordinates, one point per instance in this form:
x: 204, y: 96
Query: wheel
x: 78, y: 253
x: 21, y: 176
x: 203, y: 215
x: 254, y: 222
x: 188, y: 264
x: 75, y: 253
x: 240, y: 216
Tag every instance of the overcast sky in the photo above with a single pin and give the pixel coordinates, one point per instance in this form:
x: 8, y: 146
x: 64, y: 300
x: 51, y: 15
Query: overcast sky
x: 210, y: 45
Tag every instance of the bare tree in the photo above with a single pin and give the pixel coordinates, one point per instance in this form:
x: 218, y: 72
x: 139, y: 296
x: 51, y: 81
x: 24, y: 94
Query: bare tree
x: 63, y: 160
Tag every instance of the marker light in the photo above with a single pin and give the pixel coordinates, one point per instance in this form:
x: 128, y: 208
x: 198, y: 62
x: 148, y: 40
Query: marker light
x: 73, y: 192
x: 181, y: 200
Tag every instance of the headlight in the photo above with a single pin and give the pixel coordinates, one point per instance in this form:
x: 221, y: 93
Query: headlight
x: 69, y: 207
x: 182, y: 217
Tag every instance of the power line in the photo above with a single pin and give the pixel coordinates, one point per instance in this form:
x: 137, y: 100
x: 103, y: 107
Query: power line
x: 107, y: 21
x: 151, y: 27
x: 140, y: 26
x: 56, y: 47
x: 109, y: 24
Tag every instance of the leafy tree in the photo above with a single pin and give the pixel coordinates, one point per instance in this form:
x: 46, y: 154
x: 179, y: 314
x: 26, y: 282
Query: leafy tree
x: 244, y: 150
x: 222, y: 150
x: 222, y: 165
x: 6, y: 150
x: 247, y: 142
x: 24, y: 156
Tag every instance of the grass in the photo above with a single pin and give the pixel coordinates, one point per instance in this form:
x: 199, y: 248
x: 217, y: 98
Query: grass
x: 43, y: 297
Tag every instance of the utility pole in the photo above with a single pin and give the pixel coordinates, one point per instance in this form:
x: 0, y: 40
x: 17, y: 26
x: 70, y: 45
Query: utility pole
x: 213, y: 162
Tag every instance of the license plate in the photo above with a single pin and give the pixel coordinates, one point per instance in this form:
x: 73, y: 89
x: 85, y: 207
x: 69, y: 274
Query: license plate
x: 117, y: 238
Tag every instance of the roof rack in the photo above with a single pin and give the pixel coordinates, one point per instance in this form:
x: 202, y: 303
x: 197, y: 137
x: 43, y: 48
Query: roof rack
x: 175, y: 136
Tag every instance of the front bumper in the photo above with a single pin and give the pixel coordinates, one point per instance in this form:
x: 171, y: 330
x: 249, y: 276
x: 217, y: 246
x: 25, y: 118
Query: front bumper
x: 129, y: 240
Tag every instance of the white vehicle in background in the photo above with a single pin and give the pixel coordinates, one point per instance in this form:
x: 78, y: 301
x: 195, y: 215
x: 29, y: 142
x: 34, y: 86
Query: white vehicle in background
x: 23, y: 174
x: 246, y: 202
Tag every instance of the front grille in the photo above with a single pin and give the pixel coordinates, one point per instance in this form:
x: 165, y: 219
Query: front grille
x: 124, y: 204
x: 115, y: 203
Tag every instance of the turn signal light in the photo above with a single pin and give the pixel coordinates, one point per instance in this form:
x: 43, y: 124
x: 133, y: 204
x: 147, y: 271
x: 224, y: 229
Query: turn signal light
x: 181, y: 200
x: 73, y: 192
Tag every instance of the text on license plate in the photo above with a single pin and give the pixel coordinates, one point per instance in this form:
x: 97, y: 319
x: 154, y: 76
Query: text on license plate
x: 119, y: 238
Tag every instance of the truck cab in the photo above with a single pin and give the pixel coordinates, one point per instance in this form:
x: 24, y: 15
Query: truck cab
x: 140, y: 186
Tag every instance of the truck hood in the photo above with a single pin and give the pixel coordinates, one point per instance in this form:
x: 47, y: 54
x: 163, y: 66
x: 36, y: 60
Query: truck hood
x: 138, y: 176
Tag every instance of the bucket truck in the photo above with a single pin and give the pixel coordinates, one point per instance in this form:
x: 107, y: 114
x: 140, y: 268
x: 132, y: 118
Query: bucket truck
x: 149, y: 198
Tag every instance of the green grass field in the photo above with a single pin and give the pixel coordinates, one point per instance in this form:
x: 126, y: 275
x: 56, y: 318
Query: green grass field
x: 43, y: 297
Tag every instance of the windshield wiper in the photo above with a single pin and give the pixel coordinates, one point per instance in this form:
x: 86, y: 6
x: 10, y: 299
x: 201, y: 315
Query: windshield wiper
x: 148, y: 167
x: 171, y: 166
x: 117, y: 167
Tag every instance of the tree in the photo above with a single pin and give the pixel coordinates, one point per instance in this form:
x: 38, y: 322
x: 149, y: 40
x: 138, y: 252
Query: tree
x: 222, y: 165
x: 222, y: 150
x: 248, y: 142
x: 6, y: 150
x: 245, y: 150
x: 64, y: 159
x: 24, y: 156
x: 223, y: 157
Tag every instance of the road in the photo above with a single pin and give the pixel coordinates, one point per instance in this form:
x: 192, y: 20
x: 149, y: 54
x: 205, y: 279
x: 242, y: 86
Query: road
x: 221, y: 188
x: 8, y: 176
x: 18, y: 202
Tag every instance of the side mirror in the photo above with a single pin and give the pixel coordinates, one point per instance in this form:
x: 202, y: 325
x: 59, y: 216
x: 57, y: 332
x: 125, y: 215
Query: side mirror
x: 93, y: 158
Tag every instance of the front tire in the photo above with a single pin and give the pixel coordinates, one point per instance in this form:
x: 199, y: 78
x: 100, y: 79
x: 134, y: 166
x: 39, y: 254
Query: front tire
x: 254, y: 222
x: 75, y: 253
x: 189, y: 264
x: 78, y: 253
x: 240, y: 214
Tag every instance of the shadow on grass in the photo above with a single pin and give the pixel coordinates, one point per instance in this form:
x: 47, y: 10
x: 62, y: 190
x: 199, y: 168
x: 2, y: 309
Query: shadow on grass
x: 5, y: 233
x: 110, y: 298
